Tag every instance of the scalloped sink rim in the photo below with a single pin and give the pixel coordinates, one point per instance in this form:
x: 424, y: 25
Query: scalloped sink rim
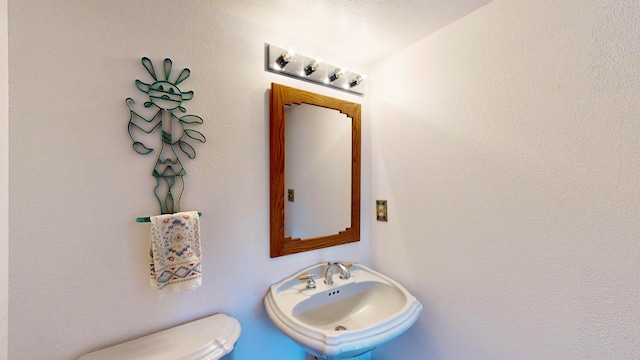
x: 323, y: 340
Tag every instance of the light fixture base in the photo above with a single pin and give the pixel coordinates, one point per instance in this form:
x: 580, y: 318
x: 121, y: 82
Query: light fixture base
x: 299, y: 67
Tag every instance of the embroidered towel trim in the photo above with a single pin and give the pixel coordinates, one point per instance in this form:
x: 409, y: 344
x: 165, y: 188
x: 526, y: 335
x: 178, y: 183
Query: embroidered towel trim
x: 175, y: 261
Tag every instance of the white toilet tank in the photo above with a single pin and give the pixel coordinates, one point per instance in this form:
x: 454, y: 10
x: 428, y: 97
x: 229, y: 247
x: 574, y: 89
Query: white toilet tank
x: 209, y: 338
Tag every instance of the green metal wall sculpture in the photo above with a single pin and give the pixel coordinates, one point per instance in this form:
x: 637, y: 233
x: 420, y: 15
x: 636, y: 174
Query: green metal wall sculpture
x: 173, y: 131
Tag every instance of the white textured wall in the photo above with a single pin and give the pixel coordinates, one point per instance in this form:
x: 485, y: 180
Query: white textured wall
x: 78, y: 259
x: 4, y: 179
x: 508, y: 147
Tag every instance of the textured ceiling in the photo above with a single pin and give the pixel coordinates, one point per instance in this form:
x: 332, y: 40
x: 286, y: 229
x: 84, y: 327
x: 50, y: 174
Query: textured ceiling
x: 363, y: 31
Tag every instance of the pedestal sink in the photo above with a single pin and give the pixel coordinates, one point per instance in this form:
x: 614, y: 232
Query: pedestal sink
x: 343, y: 320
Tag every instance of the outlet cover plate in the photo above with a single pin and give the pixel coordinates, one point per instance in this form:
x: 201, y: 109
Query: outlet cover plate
x: 381, y: 210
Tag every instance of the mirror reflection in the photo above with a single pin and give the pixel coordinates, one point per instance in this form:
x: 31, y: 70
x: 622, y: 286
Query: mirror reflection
x: 317, y: 171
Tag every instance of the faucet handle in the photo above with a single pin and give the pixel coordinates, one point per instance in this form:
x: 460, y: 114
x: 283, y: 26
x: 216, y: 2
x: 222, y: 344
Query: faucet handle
x: 345, y: 274
x: 311, y: 284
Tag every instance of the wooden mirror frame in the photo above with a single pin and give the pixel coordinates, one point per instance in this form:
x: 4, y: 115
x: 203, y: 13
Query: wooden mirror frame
x: 282, y: 96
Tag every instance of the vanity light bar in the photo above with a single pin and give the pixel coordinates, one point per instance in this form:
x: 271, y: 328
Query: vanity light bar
x: 286, y: 62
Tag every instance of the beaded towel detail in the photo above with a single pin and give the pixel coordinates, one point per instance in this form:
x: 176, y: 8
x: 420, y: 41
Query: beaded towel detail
x: 175, y: 257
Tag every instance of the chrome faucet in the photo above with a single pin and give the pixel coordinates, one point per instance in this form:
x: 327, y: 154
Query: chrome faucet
x: 328, y: 274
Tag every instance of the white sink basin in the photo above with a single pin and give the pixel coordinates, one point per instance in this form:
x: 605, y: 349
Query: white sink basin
x: 343, y: 320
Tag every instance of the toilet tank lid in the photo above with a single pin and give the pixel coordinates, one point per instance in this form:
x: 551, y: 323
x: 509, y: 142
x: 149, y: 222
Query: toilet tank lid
x: 208, y: 338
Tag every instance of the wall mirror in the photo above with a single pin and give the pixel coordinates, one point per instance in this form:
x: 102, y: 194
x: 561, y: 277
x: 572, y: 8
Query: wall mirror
x: 315, y: 171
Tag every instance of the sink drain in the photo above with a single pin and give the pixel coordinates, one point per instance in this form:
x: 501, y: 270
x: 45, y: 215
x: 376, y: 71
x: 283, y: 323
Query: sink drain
x: 340, y: 328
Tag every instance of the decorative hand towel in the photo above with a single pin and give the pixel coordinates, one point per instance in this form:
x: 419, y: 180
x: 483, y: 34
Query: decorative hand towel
x: 175, y: 255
